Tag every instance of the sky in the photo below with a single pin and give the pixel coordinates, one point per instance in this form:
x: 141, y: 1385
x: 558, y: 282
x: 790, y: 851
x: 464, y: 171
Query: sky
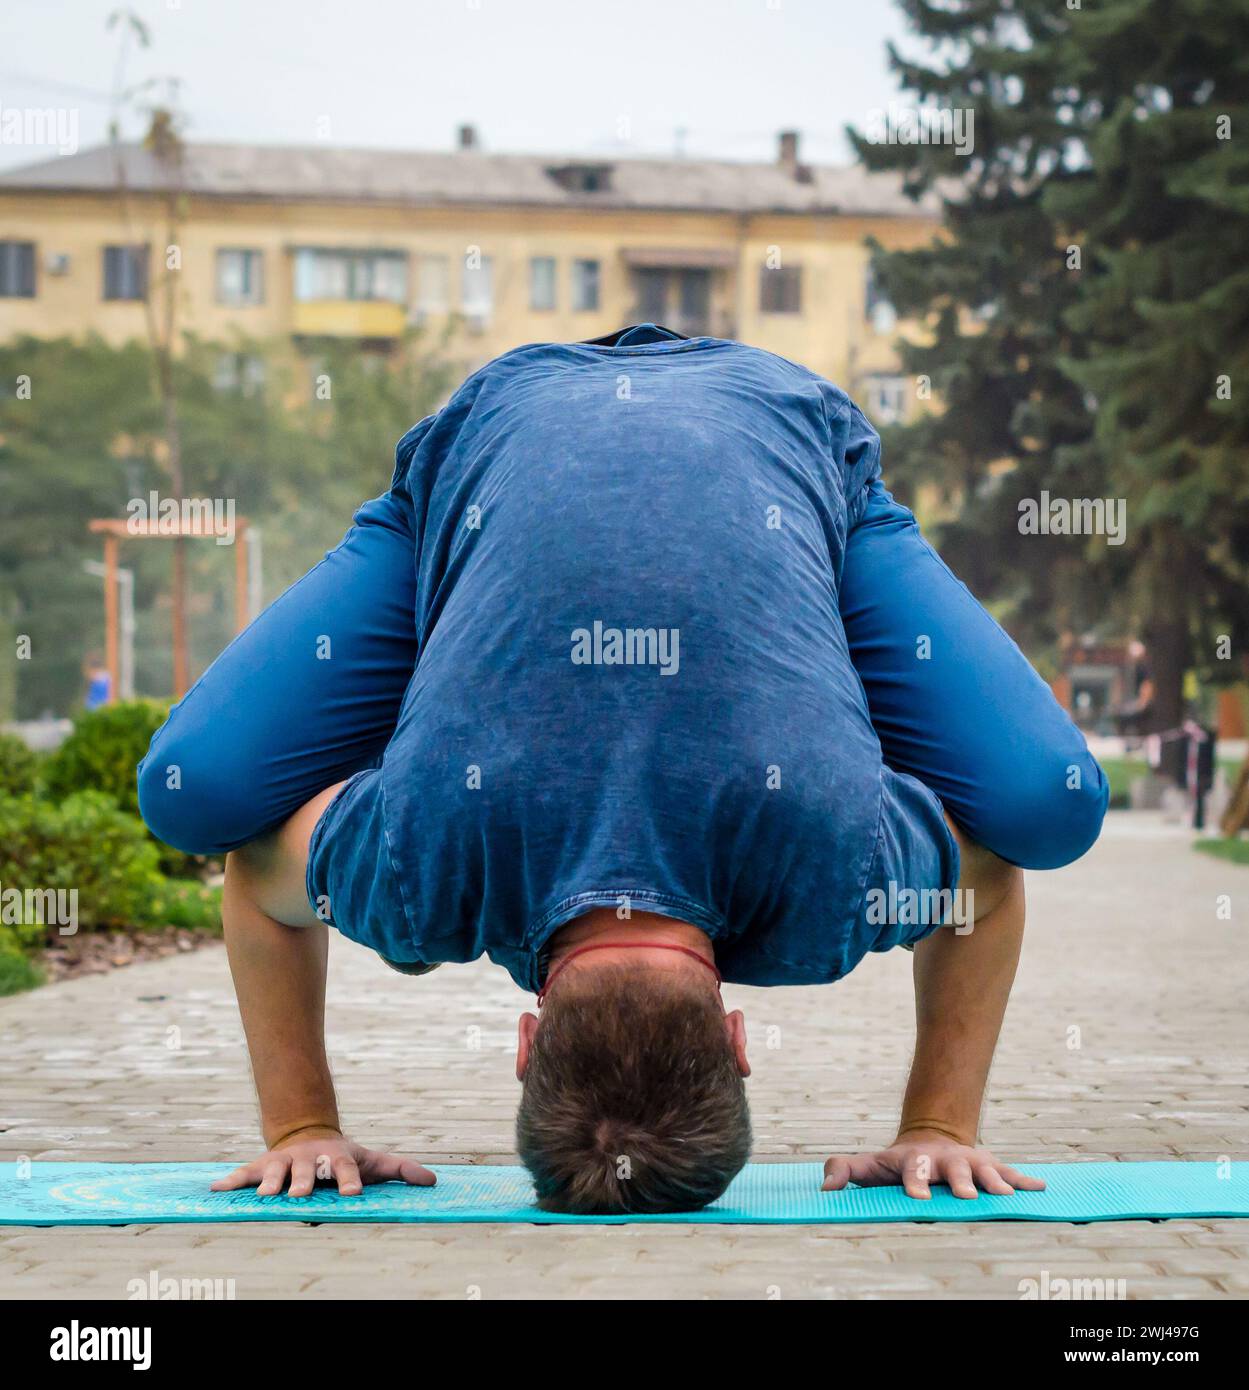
x: 707, y: 78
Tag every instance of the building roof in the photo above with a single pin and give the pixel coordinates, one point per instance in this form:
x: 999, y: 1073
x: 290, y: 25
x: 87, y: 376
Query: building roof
x: 324, y: 174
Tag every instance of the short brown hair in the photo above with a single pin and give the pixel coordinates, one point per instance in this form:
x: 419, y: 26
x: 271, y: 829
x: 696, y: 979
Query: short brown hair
x: 632, y: 1098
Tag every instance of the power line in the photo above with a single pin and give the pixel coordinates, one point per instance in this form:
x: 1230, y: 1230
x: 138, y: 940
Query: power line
x: 83, y: 93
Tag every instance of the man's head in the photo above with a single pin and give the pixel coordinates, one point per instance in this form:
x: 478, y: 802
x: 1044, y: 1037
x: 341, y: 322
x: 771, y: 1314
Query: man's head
x: 633, y: 1097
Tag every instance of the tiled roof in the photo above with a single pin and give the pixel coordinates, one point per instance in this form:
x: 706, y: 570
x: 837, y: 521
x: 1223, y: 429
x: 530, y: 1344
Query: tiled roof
x: 324, y: 174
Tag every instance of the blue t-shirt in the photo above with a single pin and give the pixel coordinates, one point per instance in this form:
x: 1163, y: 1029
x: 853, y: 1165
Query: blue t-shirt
x: 633, y: 687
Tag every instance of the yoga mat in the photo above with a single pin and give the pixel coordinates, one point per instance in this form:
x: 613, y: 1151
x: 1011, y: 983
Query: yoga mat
x: 106, y: 1194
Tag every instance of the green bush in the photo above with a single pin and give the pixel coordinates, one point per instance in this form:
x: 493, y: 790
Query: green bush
x: 86, y: 843
x: 103, y: 750
x: 102, y: 754
x: 17, y: 970
x: 1121, y: 773
x: 18, y: 765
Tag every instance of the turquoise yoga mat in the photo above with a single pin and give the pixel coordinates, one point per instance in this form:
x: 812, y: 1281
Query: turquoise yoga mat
x: 115, y: 1194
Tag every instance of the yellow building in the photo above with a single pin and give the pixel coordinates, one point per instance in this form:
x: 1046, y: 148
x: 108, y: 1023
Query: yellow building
x: 494, y: 250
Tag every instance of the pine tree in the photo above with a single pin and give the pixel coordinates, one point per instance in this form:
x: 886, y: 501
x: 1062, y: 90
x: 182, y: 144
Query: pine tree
x: 1087, y: 310
x: 992, y: 293
x: 1162, y: 209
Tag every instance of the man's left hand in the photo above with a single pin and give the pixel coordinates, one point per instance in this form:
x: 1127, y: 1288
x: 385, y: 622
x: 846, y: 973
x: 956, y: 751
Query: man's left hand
x: 919, y: 1157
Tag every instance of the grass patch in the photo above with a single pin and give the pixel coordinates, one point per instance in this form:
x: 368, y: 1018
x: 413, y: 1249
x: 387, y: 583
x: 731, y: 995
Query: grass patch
x: 1121, y: 773
x: 1234, y: 851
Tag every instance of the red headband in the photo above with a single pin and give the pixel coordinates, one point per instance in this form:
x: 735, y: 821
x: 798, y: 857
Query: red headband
x: 615, y: 945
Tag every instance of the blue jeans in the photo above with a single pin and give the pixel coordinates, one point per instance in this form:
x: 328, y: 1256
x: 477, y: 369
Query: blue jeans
x: 953, y: 700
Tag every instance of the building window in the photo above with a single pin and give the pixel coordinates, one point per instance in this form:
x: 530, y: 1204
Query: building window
x: 679, y: 298
x: 241, y: 372
x: 17, y: 270
x: 351, y: 275
x: 320, y: 275
x: 125, y: 272
x: 878, y: 310
x: 240, y: 278
x: 651, y: 285
x: 582, y: 178
x: 585, y: 285
x: 780, y: 289
x: 542, y: 283
x: 433, y: 285
x: 477, y: 289
x: 886, y: 398
x: 378, y: 277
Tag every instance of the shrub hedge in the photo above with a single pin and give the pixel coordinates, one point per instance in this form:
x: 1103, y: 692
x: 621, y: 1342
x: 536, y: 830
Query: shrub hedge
x: 103, y: 750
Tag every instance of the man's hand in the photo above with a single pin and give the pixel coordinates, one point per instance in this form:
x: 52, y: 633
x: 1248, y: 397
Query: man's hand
x: 919, y: 1157
x: 306, y: 1160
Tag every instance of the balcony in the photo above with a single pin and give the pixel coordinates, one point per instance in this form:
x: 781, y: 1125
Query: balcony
x: 348, y: 318
x: 709, y: 322
x: 687, y: 289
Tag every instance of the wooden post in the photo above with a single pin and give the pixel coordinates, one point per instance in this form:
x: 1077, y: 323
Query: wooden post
x: 112, y: 645
x: 240, y: 576
x: 114, y: 532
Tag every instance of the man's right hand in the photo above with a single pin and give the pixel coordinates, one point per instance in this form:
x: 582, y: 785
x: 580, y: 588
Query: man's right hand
x: 305, y: 1160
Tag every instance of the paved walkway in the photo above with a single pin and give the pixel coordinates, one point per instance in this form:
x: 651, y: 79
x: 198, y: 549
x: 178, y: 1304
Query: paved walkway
x: 1127, y: 1038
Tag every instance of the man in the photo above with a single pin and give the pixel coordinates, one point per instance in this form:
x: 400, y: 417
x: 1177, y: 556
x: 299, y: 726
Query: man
x: 636, y: 679
x: 99, y: 682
